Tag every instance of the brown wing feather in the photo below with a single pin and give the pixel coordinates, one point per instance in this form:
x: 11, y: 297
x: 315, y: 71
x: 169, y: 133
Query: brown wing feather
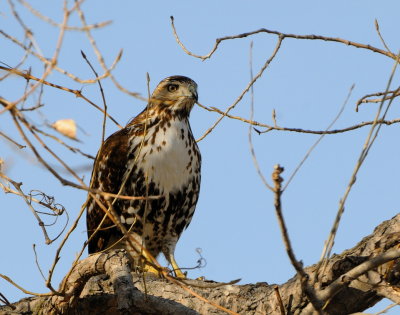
x: 109, y: 168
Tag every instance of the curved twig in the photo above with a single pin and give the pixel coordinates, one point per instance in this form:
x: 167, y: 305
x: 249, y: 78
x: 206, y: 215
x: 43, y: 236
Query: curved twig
x: 251, y: 83
x: 281, y: 35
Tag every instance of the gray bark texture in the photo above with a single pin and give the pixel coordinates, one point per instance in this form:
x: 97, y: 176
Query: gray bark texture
x: 347, y: 283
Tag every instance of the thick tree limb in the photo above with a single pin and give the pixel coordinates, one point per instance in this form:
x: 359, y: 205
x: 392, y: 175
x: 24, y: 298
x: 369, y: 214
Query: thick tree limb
x: 350, y: 282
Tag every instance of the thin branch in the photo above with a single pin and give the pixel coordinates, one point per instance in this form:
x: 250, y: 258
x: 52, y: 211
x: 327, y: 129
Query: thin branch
x: 19, y: 64
x: 259, y: 74
x: 38, y: 156
x: 103, y: 134
x: 9, y: 280
x: 388, y: 96
x: 354, y: 273
x: 372, y: 135
x: 28, y: 76
x: 47, y: 62
x: 11, y: 191
x: 386, y: 309
x: 28, y: 200
x: 298, y: 266
x: 20, y: 146
x: 280, y: 302
x: 27, y: 31
x: 381, y: 37
x: 299, y: 130
x: 58, y: 251
x: 18, y: 18
x: 252, y: 151
x: 41, y: 224
x: 100, y: 57
x: 5, y: 301
x: 53, y: 60
x: 282, y: 36
x: 67, y: 146
x: 37, y: 262
x: 318, y: 140
x: 55, y: 24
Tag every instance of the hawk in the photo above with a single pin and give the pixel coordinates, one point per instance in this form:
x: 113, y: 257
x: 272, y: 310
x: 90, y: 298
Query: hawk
x: 155, y: 155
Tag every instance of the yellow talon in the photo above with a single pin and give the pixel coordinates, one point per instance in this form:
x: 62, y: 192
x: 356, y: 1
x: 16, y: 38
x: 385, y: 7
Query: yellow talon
x: 149, y: 268
x: 178, y: 273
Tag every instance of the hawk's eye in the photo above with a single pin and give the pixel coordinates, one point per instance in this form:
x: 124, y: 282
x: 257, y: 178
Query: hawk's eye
x: 172, y: 87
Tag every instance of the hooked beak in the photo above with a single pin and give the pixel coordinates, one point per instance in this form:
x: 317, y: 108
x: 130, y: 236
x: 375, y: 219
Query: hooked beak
x: 193, y: 91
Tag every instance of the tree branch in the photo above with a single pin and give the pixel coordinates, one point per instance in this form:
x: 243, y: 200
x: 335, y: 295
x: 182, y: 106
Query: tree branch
x: 352, y: 282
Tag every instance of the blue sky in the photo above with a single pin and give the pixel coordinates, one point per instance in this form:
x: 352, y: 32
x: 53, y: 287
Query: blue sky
x: 306, y: 84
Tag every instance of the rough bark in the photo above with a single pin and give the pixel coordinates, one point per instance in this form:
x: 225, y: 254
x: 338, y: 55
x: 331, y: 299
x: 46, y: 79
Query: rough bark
x: 350, y: 282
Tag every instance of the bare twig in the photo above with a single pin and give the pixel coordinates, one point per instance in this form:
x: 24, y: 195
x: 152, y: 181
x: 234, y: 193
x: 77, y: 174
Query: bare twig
x: 299, y: 130
x: 28, y: 76
x: 249, y: 85
x: 386, y: 309
x: 53, y: 137
x: 277, y: 189
x: 354, y: 273
x: 279, y: 298
x: 103, y: 134
x: 20, y: 146
x: 53, y: 60
x: 9, y: 280
x: 252, y: 151
x: 277, y: 179
x: 298, y: 266
x: 39, y: 157
x: 9, y: 190
x: 19, y: 64
x: 41, y: 224
x: 100, y: 57
x: 37, y: 262
x: 280, y: 35
x: 57, y: 255
x: 388, y: 96
x: 318, y: 140
x: 380, y: 36
x: 55, y: 24
x: 5, y: 301
x: 372, y: 135
x: 45, y: 61
x: 18, y: 19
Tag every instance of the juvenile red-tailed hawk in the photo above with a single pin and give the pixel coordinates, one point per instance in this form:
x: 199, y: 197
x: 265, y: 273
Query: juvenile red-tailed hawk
x: 154, y: 155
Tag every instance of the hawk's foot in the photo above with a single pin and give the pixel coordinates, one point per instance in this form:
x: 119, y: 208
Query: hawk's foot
x: 178, y: 273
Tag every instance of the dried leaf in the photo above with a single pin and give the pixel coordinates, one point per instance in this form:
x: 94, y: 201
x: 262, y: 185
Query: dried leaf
x: 66, y: 127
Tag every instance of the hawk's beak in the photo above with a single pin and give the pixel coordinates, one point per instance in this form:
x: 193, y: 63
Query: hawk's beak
x: 195, y: 96
x: 193, y: 91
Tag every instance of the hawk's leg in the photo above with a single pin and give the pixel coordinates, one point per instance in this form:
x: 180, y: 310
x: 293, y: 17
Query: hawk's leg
x: 148, y: 267
x: 147, y: 263
x: 178, y: 273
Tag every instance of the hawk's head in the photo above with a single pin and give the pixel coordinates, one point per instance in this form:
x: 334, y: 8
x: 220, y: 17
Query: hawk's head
x: 177, y: 93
